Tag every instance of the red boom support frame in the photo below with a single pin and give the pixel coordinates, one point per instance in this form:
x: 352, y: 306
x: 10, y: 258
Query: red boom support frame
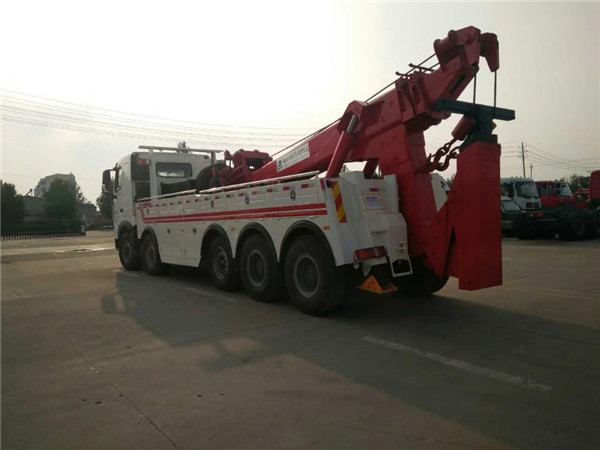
x: 463, y: 239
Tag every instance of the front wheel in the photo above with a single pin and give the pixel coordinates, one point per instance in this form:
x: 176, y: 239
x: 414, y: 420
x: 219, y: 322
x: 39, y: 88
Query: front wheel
x: 129, y: 253
x: 152, y: 262
x: 314, y: 283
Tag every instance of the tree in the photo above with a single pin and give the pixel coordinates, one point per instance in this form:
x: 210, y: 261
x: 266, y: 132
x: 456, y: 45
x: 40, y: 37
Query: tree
x: 104, y: 203
x: 450, y: 179
x: 579, y: 182
x: 61, y: 200
x: 79, y: 197
x: 13, y: 210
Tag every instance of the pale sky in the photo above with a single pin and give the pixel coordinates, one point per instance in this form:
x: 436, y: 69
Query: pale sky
x: 257, y: 75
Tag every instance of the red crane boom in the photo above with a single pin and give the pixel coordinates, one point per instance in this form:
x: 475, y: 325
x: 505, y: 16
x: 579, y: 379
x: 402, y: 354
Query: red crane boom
x: 463, y: 239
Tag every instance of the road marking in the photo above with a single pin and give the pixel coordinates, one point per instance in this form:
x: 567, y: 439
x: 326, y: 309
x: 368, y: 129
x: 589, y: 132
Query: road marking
x: 210, y: 294
x: 127, y: 273
x: 456, y: 363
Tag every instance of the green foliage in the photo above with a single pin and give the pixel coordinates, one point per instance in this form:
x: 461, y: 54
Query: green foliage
x: 104, y: 203
x: 62, y: 200
x: 579, y: 182
x: 81, y: 200
x: 12, y: 205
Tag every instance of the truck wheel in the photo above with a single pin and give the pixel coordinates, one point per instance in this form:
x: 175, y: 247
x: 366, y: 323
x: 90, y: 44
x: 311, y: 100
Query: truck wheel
x: 573, y: 228
x: 422, y: 283
x: 260, y: 273
x: 152, y: 262
x: 593, y: 228
x: 129, y: 252
x: 221, y: 265
x: 314, y: 283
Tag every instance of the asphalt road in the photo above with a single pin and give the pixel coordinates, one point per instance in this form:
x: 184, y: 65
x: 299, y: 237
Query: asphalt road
x: 94, y: 357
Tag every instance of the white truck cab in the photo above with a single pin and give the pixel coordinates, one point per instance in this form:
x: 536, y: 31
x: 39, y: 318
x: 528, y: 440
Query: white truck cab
x: 522, y: 190
x: 151, y: 172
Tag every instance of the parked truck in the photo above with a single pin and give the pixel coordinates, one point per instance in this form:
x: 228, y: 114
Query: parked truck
x: 298, y: 225
x: 553, y: 209
x: 578, y: 213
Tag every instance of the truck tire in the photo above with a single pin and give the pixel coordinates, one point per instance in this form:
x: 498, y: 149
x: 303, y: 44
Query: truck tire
x: 523, y: 229
x: 221, y: 265
x: 422, y: 283
x: 573, y: 228
x: 314, y: 283
x: 129, y: 252
x: 259, y: 271
x: 593, y: 228
x: 151, y: 256
x: 204, y: 180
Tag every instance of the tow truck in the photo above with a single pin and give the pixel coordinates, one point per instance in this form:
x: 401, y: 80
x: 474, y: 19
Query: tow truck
x: 297, y: 225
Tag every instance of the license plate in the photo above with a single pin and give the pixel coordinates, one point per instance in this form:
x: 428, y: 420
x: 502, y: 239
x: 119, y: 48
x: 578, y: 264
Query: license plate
x: 372, y: 201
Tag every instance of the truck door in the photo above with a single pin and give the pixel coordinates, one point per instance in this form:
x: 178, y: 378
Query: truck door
x: 123, y: 206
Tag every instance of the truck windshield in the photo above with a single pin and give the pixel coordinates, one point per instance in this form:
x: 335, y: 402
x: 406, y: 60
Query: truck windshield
x: 526, y: 189
x: 173, y: 170
x: 564, y: 191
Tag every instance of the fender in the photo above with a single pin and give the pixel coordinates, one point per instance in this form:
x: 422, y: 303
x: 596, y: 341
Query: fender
x: 214, y: 228
x: 253, y: 226
x: 298, y: 228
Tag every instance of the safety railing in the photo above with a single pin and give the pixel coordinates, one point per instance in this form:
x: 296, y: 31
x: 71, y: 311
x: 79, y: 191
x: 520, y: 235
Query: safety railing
x: 42, y: 229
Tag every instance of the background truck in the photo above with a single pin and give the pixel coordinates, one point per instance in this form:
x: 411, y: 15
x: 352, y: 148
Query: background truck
x: 554, y: 208
x: 299, y: 226
x: 579, y: 213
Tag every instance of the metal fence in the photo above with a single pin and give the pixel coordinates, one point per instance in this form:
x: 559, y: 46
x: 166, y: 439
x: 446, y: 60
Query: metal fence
x: 42, y: 229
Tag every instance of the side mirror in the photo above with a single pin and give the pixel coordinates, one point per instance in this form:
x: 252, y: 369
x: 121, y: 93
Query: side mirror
x: 106, y: 179
x: 107, y: 183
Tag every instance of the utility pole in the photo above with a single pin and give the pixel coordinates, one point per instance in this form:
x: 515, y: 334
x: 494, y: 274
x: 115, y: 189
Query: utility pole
x: 531, y: 170
x: 523, y: 158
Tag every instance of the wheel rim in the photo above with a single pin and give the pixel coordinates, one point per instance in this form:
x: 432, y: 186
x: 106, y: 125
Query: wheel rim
x: 151, y: 256
x: 256, y: 268
x: 127, y: 253
x: 306, y: 275
x: 220, y: 263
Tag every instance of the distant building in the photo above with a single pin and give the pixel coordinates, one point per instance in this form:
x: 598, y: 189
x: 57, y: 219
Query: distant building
x: 34, y: 210
x: 44, y: 183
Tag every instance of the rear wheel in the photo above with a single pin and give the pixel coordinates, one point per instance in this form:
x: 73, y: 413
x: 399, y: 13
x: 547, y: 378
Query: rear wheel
x: 422, y: 283
x: 221, y: 265
x: 129, y: 252
x: 259, y: 271
x: 314, y: 283
x: 573, y: 228
x: 152, y: 262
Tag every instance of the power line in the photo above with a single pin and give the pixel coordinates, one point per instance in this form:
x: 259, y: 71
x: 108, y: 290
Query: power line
x: 79, y: 105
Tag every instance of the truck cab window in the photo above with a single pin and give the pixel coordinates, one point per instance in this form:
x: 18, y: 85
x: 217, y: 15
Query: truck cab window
x: 173, y: 170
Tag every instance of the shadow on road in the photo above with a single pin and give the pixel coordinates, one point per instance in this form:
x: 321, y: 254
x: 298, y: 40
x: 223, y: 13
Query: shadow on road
x: 563, y: 356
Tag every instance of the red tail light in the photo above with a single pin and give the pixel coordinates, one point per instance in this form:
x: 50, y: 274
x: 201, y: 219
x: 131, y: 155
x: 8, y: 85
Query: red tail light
x: 537, y: 215
x: 368, y: 253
